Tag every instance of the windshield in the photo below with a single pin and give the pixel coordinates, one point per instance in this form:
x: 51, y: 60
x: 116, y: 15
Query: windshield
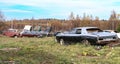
x: 93, y: 30
x: 72, y: 31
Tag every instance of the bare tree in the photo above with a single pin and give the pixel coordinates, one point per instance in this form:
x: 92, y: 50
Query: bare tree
x: 71, y: 17
x: 113, y: 20
x: 1, y: 17
x: 2, y: 24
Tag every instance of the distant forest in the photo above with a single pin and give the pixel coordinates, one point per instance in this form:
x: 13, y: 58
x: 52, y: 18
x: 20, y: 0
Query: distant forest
x: 61, y: 25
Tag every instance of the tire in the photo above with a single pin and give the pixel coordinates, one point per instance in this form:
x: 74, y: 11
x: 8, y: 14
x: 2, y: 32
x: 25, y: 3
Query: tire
x: 85, y: 42
x: 40, y: 36
x: 62, y: 42
x: 56, y: 40
x: 15, y: 36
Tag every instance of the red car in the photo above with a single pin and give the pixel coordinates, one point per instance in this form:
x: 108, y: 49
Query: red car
x: 11, y: 33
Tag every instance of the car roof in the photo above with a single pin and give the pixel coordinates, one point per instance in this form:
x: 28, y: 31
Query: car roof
x: 12, y: 29
x: 108, y: 30
x: 85, y: 27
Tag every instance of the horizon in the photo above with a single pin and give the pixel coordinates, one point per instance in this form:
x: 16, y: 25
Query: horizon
x: 20, y: 9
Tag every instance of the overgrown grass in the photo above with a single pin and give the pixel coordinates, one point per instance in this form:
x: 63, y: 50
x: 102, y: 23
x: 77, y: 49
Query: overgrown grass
x: 46, y: 51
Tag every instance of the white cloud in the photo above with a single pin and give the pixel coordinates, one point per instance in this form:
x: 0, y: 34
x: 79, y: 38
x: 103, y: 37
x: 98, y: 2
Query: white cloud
x: 64, y: 7
x: 16, y: 10
x: 61, y: 3
x: 52, y: 2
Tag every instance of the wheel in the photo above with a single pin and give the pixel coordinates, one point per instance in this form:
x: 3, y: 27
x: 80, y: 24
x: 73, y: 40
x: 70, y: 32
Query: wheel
x: 62, y: 42
x: 15, y: 36
x: 85, y: 42
x: 56, y: 40
x: 40, y: 36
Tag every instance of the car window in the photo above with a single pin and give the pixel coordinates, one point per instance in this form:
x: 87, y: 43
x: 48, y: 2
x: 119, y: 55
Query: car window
x: 72, y: 31
x: 94, y: 30
x: 78, y: 31
x: 12, y: 30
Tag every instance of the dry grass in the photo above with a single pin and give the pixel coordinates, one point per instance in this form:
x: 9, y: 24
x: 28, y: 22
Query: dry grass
x: 46, y: 51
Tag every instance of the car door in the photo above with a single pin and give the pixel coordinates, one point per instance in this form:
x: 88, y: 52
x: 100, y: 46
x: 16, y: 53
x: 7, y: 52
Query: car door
x: 74, y: 36
x: 77, y: 37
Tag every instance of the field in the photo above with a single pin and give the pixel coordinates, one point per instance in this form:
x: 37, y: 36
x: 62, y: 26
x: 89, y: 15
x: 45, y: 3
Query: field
x: 46, y: 51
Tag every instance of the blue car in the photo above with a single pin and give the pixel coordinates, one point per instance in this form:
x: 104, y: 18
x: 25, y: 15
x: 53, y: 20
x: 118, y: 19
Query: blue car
x: 86, y: 35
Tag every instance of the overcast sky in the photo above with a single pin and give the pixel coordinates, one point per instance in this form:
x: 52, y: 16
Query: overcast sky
x: 59, y: 9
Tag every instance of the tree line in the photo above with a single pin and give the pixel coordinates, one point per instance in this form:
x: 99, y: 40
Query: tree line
x: 61, y: 25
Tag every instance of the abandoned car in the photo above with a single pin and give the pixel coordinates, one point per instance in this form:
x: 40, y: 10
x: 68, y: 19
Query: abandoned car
x: 29, y: 31
x: 86, y: 35
x: 11, y: 33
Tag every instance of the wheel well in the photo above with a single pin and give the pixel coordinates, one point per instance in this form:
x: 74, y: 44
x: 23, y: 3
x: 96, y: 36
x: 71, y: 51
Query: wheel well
x: 58, y: 39
x: 56, y: 33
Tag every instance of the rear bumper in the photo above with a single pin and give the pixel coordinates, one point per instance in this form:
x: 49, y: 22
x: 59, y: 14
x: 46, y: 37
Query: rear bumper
x: 107, y: 41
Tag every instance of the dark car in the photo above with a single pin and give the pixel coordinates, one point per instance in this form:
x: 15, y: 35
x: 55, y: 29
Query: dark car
x: 87, y: 35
